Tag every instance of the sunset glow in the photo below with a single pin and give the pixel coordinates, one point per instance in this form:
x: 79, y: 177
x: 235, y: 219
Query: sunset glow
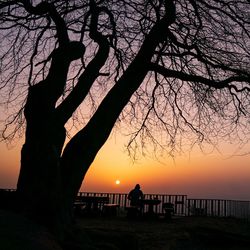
x: 199, y: 176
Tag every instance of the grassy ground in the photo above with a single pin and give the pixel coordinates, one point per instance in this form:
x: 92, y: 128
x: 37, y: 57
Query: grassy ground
x: 121, y: 233
x: 189, y: 233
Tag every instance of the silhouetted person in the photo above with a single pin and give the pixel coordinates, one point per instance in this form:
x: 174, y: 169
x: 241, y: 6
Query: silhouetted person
x: 136, y: 207
x: 135, y: 196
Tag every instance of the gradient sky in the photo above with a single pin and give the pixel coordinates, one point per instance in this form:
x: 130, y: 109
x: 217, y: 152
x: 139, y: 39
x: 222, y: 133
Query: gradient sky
x: 198, y: 176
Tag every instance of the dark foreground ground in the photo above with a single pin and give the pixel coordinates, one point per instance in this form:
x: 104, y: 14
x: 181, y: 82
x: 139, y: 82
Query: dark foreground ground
x: 186, y: 233
x: 181, y: 233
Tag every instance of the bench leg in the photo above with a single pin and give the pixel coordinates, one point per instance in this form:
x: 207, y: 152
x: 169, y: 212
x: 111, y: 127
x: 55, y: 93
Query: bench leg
x: 133, y: 212
x: 168, y: 214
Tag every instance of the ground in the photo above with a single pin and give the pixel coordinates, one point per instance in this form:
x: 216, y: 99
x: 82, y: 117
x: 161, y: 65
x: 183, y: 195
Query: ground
x: 101, y: 233
x: 19, y: 233
x: 189, y: 233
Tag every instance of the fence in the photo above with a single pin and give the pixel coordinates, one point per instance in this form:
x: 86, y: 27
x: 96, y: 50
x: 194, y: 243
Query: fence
x: 179, y: 201
x: 182, y: 205
x: 188, y: 207
x: 220, y: 208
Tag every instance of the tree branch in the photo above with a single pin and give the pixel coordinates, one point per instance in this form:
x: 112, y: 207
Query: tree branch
x: 86, y: 80
x: 48, y: 8
x: 7, y: 4
x: 195, y: 78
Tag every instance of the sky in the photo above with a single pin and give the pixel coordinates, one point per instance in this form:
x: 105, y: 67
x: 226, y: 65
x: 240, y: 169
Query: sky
x: 212, y: 176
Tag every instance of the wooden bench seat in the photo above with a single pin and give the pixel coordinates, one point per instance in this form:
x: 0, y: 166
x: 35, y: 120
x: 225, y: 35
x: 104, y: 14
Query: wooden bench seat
x: 110, y: 209
x: 90, y: 205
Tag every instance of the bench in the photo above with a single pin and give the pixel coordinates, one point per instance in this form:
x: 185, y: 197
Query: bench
x: 168, y: 209
x: 133, y: 211
x: 90, y: 204
x: 110, y: 209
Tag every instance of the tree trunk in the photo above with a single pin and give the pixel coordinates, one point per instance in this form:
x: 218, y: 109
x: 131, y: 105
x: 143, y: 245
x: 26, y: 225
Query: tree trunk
x: 39, y: 185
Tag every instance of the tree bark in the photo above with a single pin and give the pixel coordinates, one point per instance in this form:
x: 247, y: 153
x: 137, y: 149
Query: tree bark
x: 39, y: 184
x: 40, y: 179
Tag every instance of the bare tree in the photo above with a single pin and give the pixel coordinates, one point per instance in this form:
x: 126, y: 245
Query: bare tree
x: 176, y: 71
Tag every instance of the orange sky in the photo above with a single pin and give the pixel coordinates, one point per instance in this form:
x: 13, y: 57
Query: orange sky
x: 201, y: 176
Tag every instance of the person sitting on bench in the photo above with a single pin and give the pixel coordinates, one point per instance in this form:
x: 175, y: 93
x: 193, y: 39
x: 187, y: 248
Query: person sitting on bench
x: 135, y: 196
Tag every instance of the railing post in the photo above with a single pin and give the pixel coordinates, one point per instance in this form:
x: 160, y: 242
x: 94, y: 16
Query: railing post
x: 212, y: 207
x: 225, y: 208
x: 188, y: 206
x: 219, y: 207
x: 205, y: 208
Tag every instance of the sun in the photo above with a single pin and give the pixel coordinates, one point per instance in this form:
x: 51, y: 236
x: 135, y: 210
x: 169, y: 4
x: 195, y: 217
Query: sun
x: 117, y: 182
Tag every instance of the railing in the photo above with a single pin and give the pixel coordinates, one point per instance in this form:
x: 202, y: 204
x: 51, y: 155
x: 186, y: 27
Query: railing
x: 219, y: 208
x: 188, y: 207
x: 238, y: 209
x: 179, y: 201
x: 182, y: 205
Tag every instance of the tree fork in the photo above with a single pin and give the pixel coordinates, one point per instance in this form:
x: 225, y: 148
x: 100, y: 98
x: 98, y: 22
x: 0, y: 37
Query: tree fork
x: 87, y: 142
